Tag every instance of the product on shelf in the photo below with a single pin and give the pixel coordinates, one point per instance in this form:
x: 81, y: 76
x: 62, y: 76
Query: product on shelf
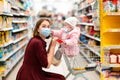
x: 111, y: 5
x: 91, y: 30
x: 9, y: 22
x: 113, y: 59
x: 119, y: 58
x: 3, y: 38
x: 112, y: 56
x: 0, y: 38
x: 0, y: 22
x: 91, y: 42
x: 1, y: 53
x: 118, y: 5
x: 97, y: 34
x: 110, y: 74
x: 5, y: 6
x: 4, y: 22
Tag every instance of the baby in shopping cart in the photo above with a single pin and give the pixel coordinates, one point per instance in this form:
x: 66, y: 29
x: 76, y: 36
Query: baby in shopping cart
x: 68, y: 36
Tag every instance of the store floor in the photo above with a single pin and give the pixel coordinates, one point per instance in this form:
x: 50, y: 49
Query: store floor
x: 61, y: 69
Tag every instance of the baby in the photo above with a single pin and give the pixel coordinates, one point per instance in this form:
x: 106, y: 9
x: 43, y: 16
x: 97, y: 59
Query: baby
x: 68, y: 36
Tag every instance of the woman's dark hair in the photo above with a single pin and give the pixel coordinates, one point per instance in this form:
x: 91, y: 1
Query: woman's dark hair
x: 35, y: 31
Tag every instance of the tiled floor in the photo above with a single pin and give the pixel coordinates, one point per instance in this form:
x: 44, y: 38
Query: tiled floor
x: 61, y: 69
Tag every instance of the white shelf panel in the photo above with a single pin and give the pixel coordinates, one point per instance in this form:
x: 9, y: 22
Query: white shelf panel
x: 10, y: 54
x: 90, y: 14
x: 20, y: 14
x: 98, y: 54
x: 6, y: 29
x: 16, y: 14
x: 113, y: 14
x: 113, y: 30
x: 12, y: 65
x: 86, y: 6
x: 88, y: 24
x: 15, y: 7
x: 112, y: 47
x: 6, y: 14
x: 19, y: 39
x: 18, y: 30
x: 114, y: 65
x: 90, y: 36
x: 15, y: 21
x: 7, y: 44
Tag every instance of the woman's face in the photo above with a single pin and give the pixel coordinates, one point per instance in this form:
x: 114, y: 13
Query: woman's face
x: 45, y: 24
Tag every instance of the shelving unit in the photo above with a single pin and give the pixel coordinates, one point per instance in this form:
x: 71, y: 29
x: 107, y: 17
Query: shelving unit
x: 90, y: 32
x: 14, y: 30
x: 110, y: 31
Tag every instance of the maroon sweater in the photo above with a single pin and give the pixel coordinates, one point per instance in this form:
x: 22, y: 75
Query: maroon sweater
x: 34, y: 59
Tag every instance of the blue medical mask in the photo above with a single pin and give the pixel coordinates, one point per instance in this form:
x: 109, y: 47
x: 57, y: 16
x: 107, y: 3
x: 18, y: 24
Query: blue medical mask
x: 45, y: 32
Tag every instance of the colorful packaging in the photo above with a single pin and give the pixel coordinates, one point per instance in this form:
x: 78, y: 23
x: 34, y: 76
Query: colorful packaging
x: 113, y: 59
x: 118, y: 5
x: 119, y: 59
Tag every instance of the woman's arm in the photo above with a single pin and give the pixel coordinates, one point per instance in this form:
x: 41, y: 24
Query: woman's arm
x: 51, y: 51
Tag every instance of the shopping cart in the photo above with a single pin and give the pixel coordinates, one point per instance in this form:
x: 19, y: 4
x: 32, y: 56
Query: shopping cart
x: 76, y: 68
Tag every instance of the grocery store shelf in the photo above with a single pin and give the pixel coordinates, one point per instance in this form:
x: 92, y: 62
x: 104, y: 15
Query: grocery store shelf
x: 15, y: 7
x: 18, y: 30
x: 95, y: 38
x: 20, y: 14
x: 113, y: 14
x: 94, y: 51
x: 6, y: 29
x: 10, y: 54
x: 16, y: 21
x: 19, y: 39
x: 6, y: 44
x: 16, y: 14
x: 112, y: 47
x: 87, y: 58
x: 6, y: 14
x: 88, y: 24
x: 113, y: 30
x: 114, y: 65
x: 12, y: 65
x: 86, y: 6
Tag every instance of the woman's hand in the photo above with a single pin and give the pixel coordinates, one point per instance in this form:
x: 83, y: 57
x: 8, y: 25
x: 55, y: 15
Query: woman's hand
x: 54, y: 42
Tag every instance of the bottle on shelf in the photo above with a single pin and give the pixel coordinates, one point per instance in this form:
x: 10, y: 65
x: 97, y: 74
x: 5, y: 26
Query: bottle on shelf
x: 1, y: 53
x: 3, y: 38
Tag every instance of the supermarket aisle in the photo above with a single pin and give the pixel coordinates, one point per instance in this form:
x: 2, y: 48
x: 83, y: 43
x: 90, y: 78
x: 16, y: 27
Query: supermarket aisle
x: 61, y: 69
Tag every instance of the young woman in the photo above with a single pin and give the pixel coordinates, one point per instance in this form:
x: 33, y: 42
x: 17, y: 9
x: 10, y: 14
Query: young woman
x: 37, y: 57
